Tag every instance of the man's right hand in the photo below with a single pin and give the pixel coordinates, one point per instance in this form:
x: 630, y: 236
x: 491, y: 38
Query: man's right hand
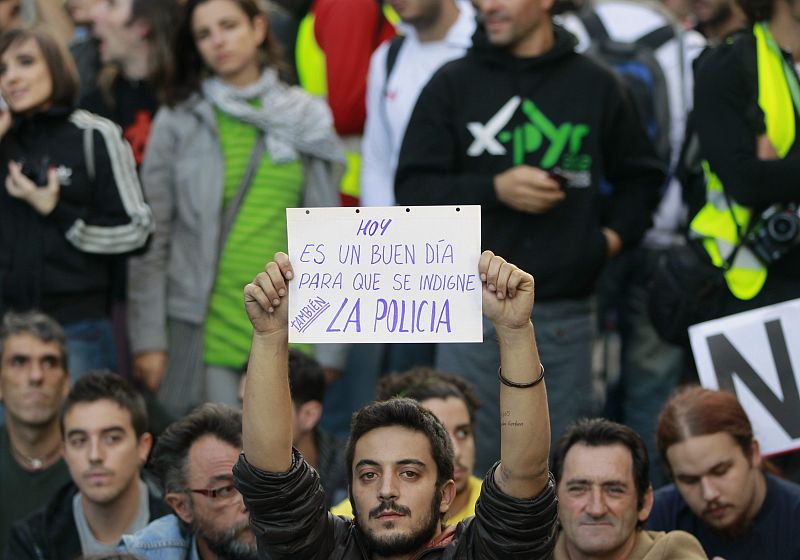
x: 149, y: 368
x: 266, y: 299
x: 528, y: 189
x: 42, y: 198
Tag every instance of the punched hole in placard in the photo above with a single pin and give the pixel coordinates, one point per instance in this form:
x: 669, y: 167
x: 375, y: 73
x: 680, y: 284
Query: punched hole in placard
x: 308, y: 211
x: 358, y: 211
x: 408, y: 209
x: 458, y: 209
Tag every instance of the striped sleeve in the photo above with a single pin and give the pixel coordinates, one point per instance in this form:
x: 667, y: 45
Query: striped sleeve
x: 126, y: 237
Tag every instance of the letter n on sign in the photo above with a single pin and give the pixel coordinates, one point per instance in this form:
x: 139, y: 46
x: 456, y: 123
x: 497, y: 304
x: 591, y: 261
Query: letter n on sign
x: 756, y: 356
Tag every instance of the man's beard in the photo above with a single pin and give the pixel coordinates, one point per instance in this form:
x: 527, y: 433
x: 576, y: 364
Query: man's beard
x: 402, y: 544
x: 427, y: 20
x: 229, y: 545
x: 737, y: 528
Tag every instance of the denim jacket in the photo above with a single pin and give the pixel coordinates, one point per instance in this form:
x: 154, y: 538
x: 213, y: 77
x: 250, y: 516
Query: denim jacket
x: 163, y: 539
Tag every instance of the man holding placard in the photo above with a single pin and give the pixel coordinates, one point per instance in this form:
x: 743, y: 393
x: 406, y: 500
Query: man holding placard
x: 551, y: 147
x: 400, y: 457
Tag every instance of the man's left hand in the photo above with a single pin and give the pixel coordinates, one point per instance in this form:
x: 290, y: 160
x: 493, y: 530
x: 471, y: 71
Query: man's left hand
x: 507, y: 292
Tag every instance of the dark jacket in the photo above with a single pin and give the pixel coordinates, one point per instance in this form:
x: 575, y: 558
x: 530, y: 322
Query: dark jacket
x: 290, y: 520
x: 489, y: 112
x: 51, y: 534
x: 59, y: 263
x: 331, y: 466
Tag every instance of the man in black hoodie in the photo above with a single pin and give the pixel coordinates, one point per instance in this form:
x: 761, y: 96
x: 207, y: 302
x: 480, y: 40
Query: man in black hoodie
x: 549, y: 144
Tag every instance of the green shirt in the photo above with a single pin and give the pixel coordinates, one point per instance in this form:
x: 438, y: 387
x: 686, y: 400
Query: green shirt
x: 258, y: 232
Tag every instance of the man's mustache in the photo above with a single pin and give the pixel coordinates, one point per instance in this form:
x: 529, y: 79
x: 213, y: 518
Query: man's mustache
x: 389, y: 505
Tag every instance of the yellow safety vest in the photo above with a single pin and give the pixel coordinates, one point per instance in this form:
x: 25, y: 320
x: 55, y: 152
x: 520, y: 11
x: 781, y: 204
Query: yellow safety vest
x: 312, y: 75
x: 716, y: 223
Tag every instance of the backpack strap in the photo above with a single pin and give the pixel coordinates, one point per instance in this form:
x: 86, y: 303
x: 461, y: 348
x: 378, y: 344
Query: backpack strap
x: 594, y: 26
x: 391, y: 56
x: 657, y: 37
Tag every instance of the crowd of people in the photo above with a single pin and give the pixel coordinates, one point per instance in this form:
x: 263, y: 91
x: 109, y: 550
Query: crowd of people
x: 150, y: 148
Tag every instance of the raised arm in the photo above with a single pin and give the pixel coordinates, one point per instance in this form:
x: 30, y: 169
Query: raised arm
x: 267, y: 422
x: 508, y: 295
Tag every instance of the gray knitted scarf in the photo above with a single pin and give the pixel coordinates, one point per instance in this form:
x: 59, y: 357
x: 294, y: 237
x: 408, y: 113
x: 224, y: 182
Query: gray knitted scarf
x: 294, y: 122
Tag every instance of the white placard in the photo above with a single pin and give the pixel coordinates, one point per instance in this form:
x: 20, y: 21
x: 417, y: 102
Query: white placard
x: 396, y: 274
x: 756, y: 355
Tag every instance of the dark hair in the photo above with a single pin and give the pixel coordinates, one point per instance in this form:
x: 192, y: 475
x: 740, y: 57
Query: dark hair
x: 171, y: 451
x: 423, y: 383
x: 105, y: 385
x: 405, y: 413
x: 695, y: 411
x: 599, y: 432
x: 161, y: 18
x: 757, y: 10
x: 306, y: 380
x: 36, y: 324
x: 189, y: 67
x: 60, y: 65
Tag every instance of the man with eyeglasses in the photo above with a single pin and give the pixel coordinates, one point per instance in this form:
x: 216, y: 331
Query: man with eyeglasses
x: 193, y: 460
x: 105, y: 445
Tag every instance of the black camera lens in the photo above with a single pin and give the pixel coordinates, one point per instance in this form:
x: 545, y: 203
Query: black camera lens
x: 784, y: 228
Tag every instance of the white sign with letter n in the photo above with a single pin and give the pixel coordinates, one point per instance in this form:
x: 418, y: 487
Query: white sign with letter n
x: 756, y: 355
x: 396, y: 274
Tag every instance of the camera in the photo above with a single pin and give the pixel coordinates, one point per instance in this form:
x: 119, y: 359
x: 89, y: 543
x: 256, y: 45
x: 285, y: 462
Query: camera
x: 36, y: 170
x: 776, y: 233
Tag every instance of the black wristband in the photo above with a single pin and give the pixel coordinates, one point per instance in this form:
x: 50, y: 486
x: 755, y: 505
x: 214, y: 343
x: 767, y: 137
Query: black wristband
x: 509, y: 383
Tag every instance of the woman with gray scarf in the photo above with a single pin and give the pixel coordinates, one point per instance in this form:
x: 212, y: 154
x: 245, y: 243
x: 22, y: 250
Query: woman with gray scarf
x: 233, y: 147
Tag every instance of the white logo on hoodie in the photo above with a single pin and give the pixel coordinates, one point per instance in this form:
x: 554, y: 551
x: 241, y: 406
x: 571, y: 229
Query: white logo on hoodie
x: 486, y: 134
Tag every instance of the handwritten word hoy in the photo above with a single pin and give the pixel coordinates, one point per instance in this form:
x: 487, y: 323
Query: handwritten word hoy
x: 371, y: 227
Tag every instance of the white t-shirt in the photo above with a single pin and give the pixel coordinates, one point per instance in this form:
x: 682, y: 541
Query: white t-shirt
x: 389, y: 105
x: 627, y: 21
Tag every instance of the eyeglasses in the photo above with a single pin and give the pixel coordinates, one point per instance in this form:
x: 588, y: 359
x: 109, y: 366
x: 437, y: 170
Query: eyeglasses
x: 222, y: 495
